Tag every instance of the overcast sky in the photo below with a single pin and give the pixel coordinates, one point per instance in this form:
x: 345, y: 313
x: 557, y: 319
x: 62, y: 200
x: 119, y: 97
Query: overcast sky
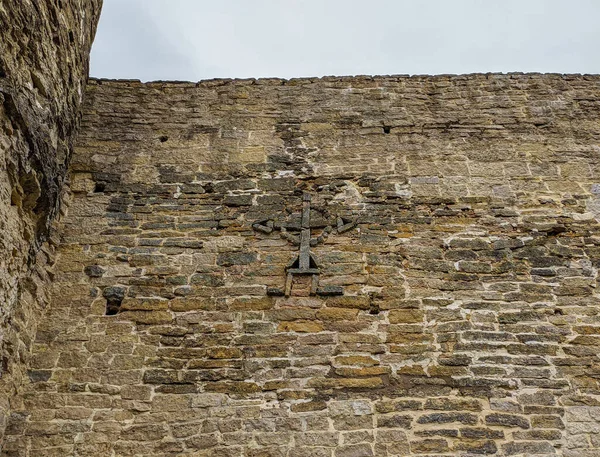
x: 201, y: 39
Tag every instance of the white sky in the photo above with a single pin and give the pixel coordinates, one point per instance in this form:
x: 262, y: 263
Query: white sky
x: 201, y: 39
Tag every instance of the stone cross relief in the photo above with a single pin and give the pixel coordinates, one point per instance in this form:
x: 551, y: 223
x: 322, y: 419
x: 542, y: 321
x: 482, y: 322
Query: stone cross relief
x: 305, y: 263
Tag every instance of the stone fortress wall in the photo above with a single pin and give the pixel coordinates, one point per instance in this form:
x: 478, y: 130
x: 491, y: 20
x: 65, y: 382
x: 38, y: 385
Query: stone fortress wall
x: 455, y: 231
x: 44, y: 53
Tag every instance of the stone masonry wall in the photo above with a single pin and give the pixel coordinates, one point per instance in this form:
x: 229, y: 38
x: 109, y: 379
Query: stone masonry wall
x: 44, y: 48
x: 455, y: 227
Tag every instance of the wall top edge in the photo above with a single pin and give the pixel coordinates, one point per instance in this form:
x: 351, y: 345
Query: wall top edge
x: 362, y: 78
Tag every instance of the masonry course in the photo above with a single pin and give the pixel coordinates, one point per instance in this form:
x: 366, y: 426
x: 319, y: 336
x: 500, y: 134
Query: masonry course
x: 468, y: 321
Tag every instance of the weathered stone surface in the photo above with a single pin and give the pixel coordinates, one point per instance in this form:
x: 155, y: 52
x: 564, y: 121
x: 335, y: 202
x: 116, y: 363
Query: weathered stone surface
x: 44, y: 49
x: 468, y: 322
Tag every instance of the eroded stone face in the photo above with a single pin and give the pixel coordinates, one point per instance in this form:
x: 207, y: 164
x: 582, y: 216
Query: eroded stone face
x: 468, y: 322
x: 44, y: 47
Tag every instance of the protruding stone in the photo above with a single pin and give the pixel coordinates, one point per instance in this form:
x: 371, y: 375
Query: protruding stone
x: 94, y: 271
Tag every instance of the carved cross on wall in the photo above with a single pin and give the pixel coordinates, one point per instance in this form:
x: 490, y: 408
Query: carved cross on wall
x: 305, y: 263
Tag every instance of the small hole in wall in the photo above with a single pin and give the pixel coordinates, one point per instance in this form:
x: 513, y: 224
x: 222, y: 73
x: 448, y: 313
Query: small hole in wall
x: 114, y: 297
x: 71, y: 36
x: 386, y: 129
x: 113, y: 307
x: 163, y: 138
x: 99, y: 187
x: 374, y: 308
